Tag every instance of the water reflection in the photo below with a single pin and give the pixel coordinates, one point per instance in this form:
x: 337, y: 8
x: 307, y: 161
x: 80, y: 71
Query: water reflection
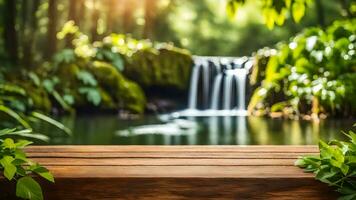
x: 242, y: 132
x: 213, y: 130
x: 209, y: 130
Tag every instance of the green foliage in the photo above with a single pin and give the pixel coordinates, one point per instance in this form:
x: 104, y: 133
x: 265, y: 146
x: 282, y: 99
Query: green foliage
x: 51, y: 121
x: 275, y: 11
x: 104, y: 54
x: 335, y: 165
x: 65, y: 100
x: 17, y: 167
x: 314, y: 73
x: 16, y: 109
x: 28, y: 188
x: 93, y: 71
x: 92, y: 95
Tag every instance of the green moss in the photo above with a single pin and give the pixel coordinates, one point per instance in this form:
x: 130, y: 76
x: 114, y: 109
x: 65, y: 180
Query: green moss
x: 106, y: 100
x: 164, y: 67
x: 126, y: 94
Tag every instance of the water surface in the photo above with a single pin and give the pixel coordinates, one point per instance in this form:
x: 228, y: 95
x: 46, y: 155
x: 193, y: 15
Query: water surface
x: 227, y: 130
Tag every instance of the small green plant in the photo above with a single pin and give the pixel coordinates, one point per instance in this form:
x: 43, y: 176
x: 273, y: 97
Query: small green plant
x: 335, y: 165
x: 17, y: 167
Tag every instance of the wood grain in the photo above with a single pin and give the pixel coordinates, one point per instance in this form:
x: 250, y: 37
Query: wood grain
x: 176, y: 172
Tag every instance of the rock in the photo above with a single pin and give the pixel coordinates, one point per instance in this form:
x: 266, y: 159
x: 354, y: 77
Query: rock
x: 160, y: 105
x: 168, y: 67
x: 126, y: 94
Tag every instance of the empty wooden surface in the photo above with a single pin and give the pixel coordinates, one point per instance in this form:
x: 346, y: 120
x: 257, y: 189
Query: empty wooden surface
x: 178, y: 172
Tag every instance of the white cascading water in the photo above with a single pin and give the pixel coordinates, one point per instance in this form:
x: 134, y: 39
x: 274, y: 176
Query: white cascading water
x: 206, y: 83
x: 227, y: 90
x: 216, y: 92
x: 216, y: 76
x: 241, y: 87
x: 193, y: 93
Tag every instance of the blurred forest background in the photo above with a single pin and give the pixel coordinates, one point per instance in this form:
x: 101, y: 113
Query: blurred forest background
x: 30, y: 26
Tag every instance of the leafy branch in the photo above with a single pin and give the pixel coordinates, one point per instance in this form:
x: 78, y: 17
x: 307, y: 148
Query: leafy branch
x: 17, y: 167
x: 275, y: 12
x: 335, y: 165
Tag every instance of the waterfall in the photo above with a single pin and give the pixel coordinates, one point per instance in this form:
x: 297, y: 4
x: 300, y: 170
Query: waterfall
x: 193, y: 94
x: 227, y: 91
x: 206, y: 84
x: 218, y: 83
x: 216, y: 92
x: 241, y: 87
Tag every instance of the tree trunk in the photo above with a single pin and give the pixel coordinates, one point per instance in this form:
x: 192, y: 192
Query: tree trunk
x: 81, y: 12
x: 72, y: 15
x: 150, y: 10
x: 24, y: 17
x: 128, y: 19
x: 30, y: 35
x: 52, y: 28
x: 112, y: 15
x: 10, y: 34
x: 95, y: 18
x: 320, y: 12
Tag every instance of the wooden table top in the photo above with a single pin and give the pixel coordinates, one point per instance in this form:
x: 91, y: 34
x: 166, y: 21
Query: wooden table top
x: 178, y: 172
x: 172, y: 161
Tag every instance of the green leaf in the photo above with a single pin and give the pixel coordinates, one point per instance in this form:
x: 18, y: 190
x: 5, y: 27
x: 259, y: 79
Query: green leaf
x: 352, y: 136
x: 52, y: 121
x: 20, y: 154
x: 9, y: 168
x: 93, y: 95
x: 13, y: 131
x: 31, y: 135
x: 6, y: 131
x: 8, y: 143
x: 62, y: 100
x: 48, y: 85
x: 14, y: 115
x: 344, y: 169
x: 18, y: 162
x: 34, y: 77
x: 348, y: 197
x: 324, y: 174
x: 118, y: 63
x: 65, y: 56
x: 28, y: 188
x: 231, y: 8
x: 298, y: 10
x: 87, y: 78
x: 43, y: 172
x: 351, y: 159
x: 69, y: 99
x: 22, y: 143
x: 21, y: 171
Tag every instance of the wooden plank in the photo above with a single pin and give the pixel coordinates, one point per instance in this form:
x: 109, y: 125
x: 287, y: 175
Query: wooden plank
x: 196, y: 155
x: 183, y: 189
x: 161, y: 162
x: 176, y: 172
x: 172, y: 148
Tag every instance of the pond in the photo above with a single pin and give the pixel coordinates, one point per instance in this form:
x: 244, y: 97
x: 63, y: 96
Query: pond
x: 225, y: 130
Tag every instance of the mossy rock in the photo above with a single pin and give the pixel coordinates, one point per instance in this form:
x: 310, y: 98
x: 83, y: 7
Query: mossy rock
x: 166, y: 67
x: 126, y: 94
